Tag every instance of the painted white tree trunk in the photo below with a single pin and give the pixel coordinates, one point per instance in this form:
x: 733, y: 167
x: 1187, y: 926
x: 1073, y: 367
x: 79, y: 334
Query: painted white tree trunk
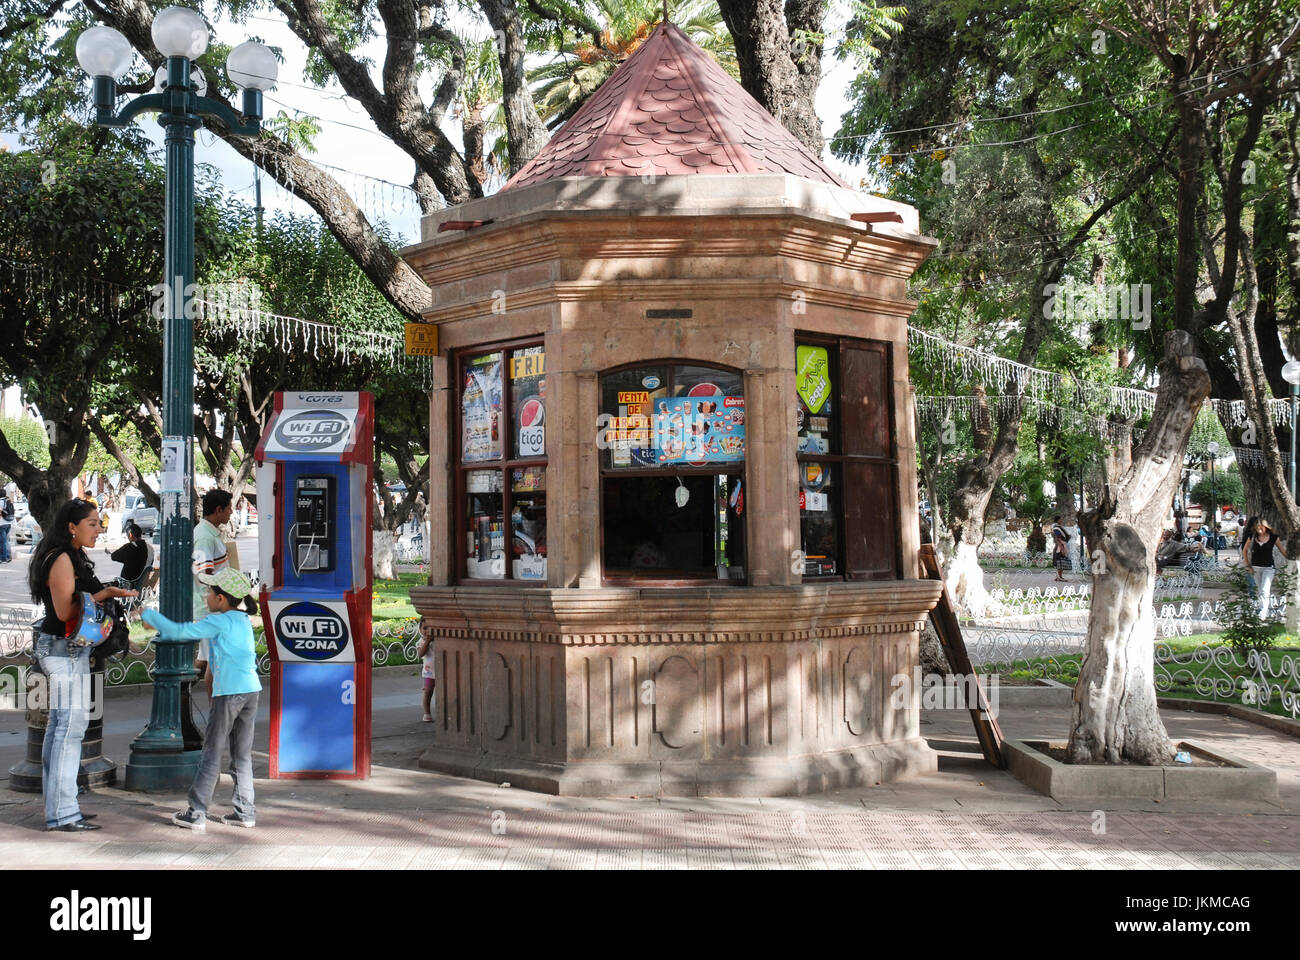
x: 1115, y: 712
x: 1293, y: 599
x: 382, y: 550
x: 965, y: 580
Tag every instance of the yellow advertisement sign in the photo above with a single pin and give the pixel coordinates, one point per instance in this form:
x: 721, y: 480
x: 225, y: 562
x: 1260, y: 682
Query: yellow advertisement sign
x: 527, y: 365
x: 421, y: 340
x: 633, y: 396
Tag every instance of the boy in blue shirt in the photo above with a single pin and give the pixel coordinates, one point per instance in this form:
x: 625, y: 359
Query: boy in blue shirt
x: 235, y: 689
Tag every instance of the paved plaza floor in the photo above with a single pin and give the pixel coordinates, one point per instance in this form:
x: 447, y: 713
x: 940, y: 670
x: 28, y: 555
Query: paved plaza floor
x: 967, y: 816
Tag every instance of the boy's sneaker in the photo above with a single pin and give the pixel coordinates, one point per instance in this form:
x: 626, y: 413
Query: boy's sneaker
x: 237, y: 820
x: 191, y: 820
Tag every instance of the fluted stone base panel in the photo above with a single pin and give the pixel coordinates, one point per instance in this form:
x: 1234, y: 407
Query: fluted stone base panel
x: 854, y: 767
x: 688, y: 692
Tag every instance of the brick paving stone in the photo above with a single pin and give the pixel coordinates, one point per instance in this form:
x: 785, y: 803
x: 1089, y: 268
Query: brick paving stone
x: 259, y: 857
x: 983, y: 860
x: 527, y: 858
x: 940, y: 860
x: 1258, y: 861
x: 800, y: 858
x: 204, y: 855
x: 705, y: 832
x: 156, y: 854
x: 482, y: 858
x: 389, y: 858
x: 755, y: 858
x: 1030, y: 860
x: 434, y: 858
x: 343, y: 857
x: 1073, y: 859
x: 892, y: 859
x: 32, y: 853
x: 571, y: 859
x: 622, y: 830
x: 710, y: 858
x: 1165, y: 860
x: 670, y: 858
x: 413, y: 819
x: 298, y: 856
x: 618, y: 858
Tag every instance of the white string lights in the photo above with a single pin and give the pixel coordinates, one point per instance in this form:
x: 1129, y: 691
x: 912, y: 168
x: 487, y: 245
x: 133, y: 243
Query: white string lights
x: 31, y: 283
x: 1011, y: 377
x: 378, y: 198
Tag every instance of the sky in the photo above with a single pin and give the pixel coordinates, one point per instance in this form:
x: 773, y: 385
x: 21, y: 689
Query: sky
x: 376, y: 170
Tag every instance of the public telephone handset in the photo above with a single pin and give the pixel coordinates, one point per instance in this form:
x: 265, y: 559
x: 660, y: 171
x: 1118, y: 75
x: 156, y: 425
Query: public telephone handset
x: 312, y: 535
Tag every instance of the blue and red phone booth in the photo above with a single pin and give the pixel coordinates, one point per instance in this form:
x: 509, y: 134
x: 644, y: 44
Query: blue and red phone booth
x: 315, y: 468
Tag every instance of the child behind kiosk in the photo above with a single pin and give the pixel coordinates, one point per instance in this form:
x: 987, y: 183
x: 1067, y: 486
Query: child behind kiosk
x: 235, y: 690
x: 425, y: 653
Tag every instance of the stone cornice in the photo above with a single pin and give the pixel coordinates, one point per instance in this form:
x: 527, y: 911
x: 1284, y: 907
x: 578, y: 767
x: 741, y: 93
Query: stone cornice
x: 681, y: 615
x: 495, y: 248
x: 683, y: 290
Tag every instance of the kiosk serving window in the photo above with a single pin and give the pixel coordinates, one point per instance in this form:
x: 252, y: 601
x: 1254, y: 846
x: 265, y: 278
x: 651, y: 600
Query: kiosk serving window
x: 501, y: 478
x: 672, y: 442
x: 847, y: 466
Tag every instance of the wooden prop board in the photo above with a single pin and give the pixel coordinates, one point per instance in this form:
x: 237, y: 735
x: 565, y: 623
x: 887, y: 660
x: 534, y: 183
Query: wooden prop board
x: 944, y: 619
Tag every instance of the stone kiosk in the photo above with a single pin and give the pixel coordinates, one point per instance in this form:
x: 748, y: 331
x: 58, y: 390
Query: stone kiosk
x: 672, y: 436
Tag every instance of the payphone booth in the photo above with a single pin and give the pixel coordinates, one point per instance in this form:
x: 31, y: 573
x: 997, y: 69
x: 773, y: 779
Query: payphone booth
x: 314, y: 475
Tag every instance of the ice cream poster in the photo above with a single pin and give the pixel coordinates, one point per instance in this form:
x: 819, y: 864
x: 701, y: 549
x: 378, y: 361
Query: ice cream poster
x: 699, y: 430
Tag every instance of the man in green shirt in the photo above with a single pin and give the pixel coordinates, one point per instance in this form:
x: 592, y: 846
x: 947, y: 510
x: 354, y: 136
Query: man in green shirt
x: 209, y: 559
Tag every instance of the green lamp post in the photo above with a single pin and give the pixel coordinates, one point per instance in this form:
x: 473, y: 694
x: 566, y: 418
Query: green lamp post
x: 159, y: 760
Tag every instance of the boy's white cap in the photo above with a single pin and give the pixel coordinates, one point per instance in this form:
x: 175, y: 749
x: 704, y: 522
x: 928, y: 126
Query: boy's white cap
x: 229, y: 581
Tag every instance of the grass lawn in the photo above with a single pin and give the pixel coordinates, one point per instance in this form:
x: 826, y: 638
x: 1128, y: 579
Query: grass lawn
x: 1065, y: 669
x: 390, y: 602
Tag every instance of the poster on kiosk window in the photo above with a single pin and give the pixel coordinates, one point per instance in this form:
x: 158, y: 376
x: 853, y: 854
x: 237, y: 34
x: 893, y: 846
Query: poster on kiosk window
x: 314, y: 473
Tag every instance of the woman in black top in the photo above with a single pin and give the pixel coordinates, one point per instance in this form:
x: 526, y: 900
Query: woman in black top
x: 1259, y: 561
x: 59, y: 573
x: 132, y: 555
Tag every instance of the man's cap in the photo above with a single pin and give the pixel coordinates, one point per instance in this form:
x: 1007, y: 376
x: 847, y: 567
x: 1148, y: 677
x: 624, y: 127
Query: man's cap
x: 229, y: 581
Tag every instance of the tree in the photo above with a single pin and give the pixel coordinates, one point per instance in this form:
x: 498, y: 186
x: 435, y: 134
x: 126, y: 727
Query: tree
x: 779, y: 66
x: 579, y: 66
x: 1013, y: 186
x: 1115, y: 716
x: 1224, y: 488
x: 83, y: 225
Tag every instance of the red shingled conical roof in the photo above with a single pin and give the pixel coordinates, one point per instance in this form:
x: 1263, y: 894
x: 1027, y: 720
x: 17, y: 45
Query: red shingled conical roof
x: 670, y: 109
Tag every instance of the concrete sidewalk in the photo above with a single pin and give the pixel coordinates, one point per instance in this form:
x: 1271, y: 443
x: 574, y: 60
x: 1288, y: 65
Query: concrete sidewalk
x: 968, y: 815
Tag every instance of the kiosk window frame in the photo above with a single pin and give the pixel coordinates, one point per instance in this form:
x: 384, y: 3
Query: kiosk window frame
x: 501, y: 460
x: 666, y: 373
x: 860, y: 463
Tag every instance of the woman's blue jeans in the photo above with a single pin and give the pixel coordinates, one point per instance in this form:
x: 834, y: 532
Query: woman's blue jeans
x: 68, y: 698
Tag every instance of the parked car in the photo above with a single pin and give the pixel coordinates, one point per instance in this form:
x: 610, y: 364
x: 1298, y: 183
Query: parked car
x: 27, y: 530
x: 20, y: 508
x: 135, y: 509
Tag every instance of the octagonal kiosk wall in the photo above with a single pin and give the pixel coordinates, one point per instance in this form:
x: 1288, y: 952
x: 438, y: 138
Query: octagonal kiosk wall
x: 314, y: 475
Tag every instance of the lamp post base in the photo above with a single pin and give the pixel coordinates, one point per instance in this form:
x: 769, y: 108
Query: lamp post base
x: 162, y: 772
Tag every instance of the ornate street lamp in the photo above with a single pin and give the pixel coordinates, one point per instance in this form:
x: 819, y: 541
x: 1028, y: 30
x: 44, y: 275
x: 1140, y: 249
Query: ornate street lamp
x: 159, y: 760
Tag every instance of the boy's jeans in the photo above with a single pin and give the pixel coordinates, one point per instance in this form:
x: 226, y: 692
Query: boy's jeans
x: 5, y: 555
x: 230, y: 720
x: 69, y: 714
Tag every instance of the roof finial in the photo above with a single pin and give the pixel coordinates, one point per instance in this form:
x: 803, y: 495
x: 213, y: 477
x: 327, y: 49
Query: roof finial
x: 665, y: 11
